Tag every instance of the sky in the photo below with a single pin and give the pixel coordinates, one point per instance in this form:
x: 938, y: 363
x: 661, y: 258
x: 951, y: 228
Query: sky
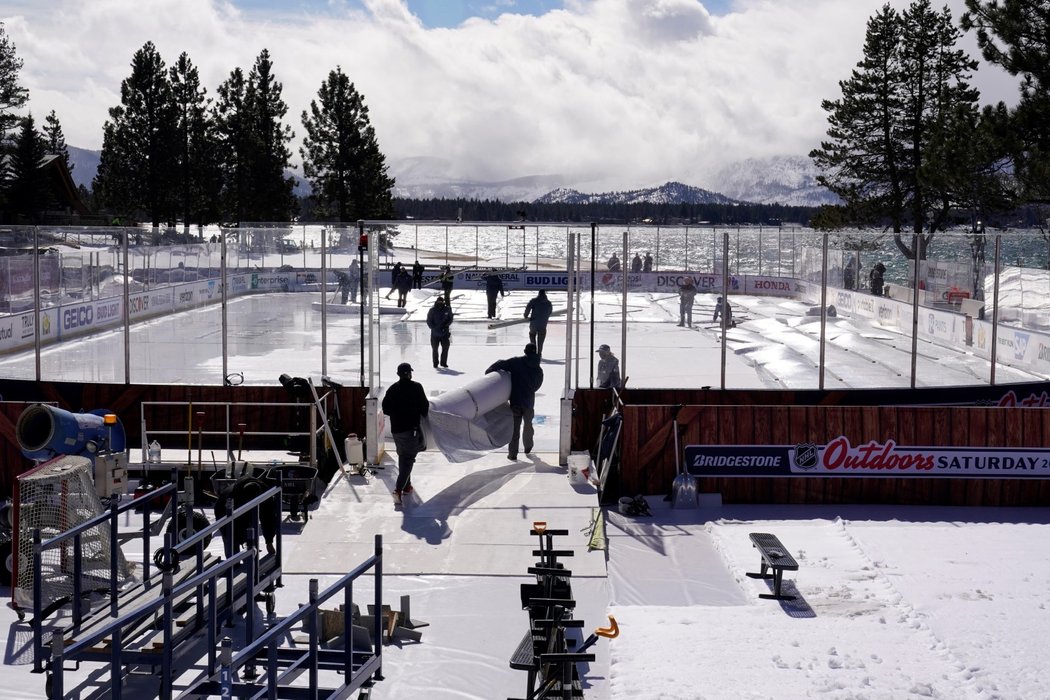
x: 611, y: 94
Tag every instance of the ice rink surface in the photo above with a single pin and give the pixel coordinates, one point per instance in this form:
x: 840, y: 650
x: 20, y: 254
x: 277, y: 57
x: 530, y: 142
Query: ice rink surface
x: 894, y: 602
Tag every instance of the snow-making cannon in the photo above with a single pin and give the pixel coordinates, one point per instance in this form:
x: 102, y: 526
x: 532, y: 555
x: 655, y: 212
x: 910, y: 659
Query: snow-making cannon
x: 45, y: 432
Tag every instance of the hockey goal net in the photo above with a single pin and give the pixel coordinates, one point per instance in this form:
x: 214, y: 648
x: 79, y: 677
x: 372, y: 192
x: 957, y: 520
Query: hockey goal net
x: 55, y: 497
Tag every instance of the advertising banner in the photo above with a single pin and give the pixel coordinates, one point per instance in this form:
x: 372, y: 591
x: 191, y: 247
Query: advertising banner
x: 874, y: 459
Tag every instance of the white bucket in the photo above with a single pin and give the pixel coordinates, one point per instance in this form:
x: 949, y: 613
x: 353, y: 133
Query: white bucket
x: 579, y: 467
x: 354, y: 450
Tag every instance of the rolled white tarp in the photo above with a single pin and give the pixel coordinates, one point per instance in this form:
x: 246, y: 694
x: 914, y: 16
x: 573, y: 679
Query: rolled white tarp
x: 469, y: 421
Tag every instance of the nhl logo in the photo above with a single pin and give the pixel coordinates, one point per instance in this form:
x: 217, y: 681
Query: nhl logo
x: 806, y: 456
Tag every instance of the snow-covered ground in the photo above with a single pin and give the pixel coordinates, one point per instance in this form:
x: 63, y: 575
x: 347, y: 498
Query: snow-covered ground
x: 893, y: 602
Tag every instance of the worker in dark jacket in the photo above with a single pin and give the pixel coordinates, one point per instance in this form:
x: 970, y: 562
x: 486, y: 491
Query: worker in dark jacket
x: 405, y: 403
x: 417, y: 275
x: 403, y: 284
x: 723, y: 309
x: 538, y: 311
x: 446, y: 279
x: 686, y: 295
x: 526, y: 377
x: 493, y: 287
x: 439, y: 320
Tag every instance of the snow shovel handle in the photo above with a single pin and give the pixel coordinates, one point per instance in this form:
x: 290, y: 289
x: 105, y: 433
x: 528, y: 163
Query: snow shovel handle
x: 613, y: 630
x: 610, y: 632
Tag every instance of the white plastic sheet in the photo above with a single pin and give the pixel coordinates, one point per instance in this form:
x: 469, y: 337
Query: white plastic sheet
x: 467, y: 422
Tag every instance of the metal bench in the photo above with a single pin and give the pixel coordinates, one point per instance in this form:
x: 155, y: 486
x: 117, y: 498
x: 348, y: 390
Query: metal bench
x: 776, y: 558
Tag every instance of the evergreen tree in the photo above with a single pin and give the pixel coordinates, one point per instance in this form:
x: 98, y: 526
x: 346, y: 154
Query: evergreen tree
x: 341, y: 157
x: 1015, y: 34
x: 55, y: 140
x: 862, y: 160
x: 29, y: 188
x: 271, y: 193
x: 254, y: 145
x: 900, y: 124
x: 138, y: 145
x: 12, y: 95
x: 230, y: 117
x: 196, y: 160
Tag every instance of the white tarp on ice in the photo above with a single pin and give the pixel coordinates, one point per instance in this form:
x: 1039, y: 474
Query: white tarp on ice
x: 467, y: 422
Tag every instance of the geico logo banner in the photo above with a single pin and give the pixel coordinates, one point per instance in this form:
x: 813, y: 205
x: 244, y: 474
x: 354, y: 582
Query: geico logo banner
x: 77, y: 317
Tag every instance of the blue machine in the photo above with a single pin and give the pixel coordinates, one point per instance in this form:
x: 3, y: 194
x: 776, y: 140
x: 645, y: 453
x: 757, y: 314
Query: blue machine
x: 45, y: 432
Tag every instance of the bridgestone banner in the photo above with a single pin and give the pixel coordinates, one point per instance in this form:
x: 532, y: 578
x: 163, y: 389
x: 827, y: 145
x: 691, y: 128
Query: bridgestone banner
x: 874, y: 459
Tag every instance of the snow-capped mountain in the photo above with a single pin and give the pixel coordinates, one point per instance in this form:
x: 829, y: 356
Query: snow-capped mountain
x: 669, y: 193
x: 789, y: 180
x: 434, y: 178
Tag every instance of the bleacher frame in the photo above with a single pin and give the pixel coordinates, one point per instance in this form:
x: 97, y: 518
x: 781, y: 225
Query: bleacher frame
x: 228, y: 588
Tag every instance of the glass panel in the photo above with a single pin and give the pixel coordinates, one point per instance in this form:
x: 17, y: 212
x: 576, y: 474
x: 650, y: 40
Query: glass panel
x: 18, y: 294
x: 867, y: 315
x: 1022, y: 345
x: 82, y: 285
x: 345, y: 288
x: 286, y: 302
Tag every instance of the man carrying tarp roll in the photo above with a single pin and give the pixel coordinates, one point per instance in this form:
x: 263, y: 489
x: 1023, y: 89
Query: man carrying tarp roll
x: 526, y: 378
x: 406, y: 404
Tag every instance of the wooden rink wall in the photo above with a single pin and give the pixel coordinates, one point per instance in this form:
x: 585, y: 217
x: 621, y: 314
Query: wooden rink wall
x: 125, y: 401
x: 647, y: 464
x: 714, y: 417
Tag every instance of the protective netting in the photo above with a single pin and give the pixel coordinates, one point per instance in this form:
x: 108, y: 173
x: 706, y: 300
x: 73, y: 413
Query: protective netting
x: 54, y: 498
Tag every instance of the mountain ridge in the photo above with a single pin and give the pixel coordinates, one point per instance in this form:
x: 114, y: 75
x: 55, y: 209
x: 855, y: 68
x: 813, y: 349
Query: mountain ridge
x: 787, y: 180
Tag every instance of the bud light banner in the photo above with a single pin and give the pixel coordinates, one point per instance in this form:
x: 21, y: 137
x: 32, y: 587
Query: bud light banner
x: 874, y: 459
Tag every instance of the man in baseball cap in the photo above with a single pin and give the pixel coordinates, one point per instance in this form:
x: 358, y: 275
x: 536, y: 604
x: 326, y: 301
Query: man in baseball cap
x: 405, y: 402
x: 608, y: 368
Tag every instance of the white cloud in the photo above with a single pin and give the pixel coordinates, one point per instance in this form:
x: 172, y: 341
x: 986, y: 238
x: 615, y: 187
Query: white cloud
x: 617, y: 93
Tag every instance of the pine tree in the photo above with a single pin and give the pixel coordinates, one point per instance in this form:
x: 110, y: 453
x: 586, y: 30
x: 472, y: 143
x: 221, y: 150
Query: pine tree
x: 196, y: 160
x: 29, y: 188
x: 862, y: 160
x: 230, y: 116
x: 341, y: 157
x: 254, y: 145
x: 271, y: 194
x: 901, y: 123
x: 1015, y: 34
x: 55, y: 140
x: 138, y: 151
x: 12, y: 95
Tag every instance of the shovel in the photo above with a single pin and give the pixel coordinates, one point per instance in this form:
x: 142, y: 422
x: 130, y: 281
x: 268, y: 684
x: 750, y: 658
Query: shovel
x: 683, y: 489
x: 610, y: 632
